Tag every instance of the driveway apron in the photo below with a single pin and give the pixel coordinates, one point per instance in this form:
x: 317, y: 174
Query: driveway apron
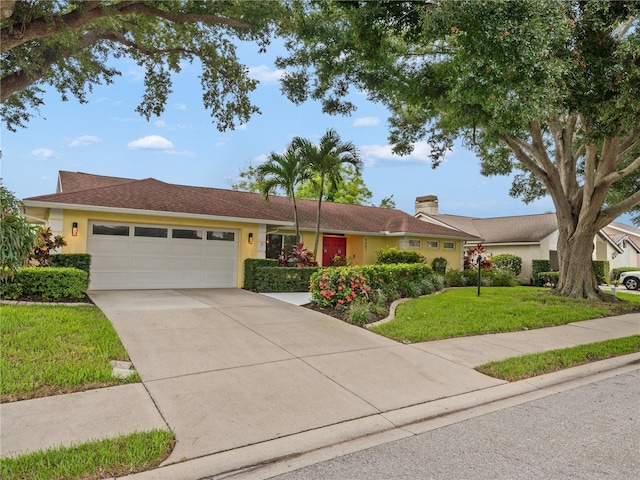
x: 229, y: 368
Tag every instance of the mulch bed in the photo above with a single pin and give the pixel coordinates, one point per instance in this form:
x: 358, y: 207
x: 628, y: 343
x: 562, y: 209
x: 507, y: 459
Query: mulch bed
x: 343, y: 314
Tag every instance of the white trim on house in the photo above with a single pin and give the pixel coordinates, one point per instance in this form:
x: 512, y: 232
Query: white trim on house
x: 157, y: 213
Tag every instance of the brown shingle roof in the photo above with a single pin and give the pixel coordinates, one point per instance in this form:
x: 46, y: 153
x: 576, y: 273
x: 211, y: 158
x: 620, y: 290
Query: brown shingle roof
x: 76, y: 181
x: 85, y: 190
x: 523, y: 228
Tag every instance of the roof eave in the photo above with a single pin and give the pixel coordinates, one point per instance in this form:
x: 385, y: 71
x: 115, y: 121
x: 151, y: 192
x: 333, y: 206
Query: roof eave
x: 96, y: 208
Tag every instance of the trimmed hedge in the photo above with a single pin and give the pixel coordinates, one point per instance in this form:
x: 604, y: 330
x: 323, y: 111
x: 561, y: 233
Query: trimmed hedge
x: 601, y: 269
x: 468, y: 278
x: 81, y: 261
x: 395, y: 255
x: 545, y: 278
x: 340, y: 286
x: 507, y: 261
x: 250, y: 267
x: 48, y: 283
x: 538, y: 267
x: 615, y: 273
x: 283, y: 279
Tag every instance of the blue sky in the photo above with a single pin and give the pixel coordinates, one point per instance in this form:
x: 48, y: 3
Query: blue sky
x: 107, y: 137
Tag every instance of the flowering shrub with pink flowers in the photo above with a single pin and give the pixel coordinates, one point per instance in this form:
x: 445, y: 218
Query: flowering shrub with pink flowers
x: 338, y: 287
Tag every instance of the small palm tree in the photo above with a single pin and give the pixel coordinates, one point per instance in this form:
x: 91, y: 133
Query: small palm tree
x: 286, y: 171
x: 325, y: 160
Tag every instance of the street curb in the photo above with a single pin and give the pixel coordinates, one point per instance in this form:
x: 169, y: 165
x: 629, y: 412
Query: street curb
x: 274, y: 457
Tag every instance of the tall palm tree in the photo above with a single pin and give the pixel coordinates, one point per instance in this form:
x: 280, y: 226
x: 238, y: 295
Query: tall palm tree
x: 325, y: 160
x: 286, y: 171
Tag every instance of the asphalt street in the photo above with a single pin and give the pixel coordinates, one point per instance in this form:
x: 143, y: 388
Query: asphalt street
x: 591, y: 432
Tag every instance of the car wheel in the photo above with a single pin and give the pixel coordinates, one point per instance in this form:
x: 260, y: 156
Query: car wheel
x: 631, y: 283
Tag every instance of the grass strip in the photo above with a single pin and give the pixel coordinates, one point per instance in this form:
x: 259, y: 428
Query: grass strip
x: 107, y: 458
x: 48, y: 350
x: 531, y: 365
x: 460, y: 312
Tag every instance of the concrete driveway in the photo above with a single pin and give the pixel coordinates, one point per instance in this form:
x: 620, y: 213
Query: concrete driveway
x: 229, y: 368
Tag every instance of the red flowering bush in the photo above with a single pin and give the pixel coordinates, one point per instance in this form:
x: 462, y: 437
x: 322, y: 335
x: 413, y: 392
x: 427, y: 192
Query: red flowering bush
x: 338, y: 287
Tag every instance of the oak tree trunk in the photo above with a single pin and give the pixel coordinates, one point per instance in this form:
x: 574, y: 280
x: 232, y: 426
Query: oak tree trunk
x: 575, y: 253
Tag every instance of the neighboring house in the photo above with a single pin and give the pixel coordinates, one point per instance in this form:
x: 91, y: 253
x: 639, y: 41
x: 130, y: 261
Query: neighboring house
x: 627, y: 238
x: 152, y: 234
x: 531, y: 237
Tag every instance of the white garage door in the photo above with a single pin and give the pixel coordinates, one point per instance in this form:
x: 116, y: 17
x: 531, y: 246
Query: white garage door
x: 130, y: 256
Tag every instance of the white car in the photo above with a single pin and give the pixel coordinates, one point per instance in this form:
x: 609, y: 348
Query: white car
x: 631, y: 280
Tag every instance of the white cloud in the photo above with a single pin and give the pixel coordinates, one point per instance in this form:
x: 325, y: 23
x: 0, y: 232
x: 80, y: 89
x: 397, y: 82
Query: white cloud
x: 155, y: 142
x: 84, y: 141
x: 265, y: 75
x: 42, y: 153
x: 263, y: 157
x: 180, y: 106
x: 160, y: 123
x: 366, y: 122
x: 242, y: 127
x: 373, y: 153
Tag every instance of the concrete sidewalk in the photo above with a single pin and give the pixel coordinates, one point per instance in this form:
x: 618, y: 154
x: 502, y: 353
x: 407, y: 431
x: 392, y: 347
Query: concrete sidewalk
x: 244, y: 378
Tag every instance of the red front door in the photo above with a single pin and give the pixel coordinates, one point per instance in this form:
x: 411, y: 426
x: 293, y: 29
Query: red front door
x: 332, y: 247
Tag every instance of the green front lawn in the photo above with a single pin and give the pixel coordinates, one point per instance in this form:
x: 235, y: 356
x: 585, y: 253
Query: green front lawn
x: 109, y: 458
x: 51, y: 349
x: 530, y: 365
x: 460, y: 312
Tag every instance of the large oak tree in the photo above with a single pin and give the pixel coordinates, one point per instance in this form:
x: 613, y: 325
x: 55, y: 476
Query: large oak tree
x: 69, y: 44
x: 546, y: 90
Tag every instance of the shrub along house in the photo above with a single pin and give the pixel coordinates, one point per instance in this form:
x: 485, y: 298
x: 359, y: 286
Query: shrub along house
x: 531, y: 237
x: 151, y: 234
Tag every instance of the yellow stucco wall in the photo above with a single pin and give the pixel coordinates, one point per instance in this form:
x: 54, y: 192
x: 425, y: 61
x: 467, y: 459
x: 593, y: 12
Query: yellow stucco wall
x: 361, y: 249
x: 78, y: 244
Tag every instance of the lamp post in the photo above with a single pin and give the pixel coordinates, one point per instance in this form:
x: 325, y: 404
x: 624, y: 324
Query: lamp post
x: 479, y: 263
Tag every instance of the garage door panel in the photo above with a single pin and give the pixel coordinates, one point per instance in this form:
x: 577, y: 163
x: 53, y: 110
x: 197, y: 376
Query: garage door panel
x: 150, y: 263
x: 187, y: 264
x: 121, y: 262
x: 188, y: 248
x: 114, y: 262
x: 150, y: 247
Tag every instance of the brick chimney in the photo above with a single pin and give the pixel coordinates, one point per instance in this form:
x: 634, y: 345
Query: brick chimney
x: 427, y: 205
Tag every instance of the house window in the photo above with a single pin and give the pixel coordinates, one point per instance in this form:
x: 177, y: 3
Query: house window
x: 449, y: 245
x: 154, y: 232
x: 118, y: 230
x: 222, y: 236
x: 276, y: 243
x: 433, y: 244
x: 415, y: 243
x: 185, y: 233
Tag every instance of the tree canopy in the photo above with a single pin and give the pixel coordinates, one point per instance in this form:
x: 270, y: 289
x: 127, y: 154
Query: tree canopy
x: 68, y: 45
x: 545, y: 90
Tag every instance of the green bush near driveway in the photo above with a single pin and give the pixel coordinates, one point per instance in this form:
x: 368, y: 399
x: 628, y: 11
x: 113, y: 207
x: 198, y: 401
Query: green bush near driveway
x: 52, y: 349
x: 81, y: 261
x: 460, y: 312
x: 283, y: 279
x: 395, y: 255
x: 250, y: 269
x: 48, y: 283
x: 337, y: 287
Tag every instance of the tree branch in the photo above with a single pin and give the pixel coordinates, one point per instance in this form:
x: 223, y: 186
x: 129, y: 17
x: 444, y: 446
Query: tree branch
x: 42, y: 28
x: 609, y: 214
